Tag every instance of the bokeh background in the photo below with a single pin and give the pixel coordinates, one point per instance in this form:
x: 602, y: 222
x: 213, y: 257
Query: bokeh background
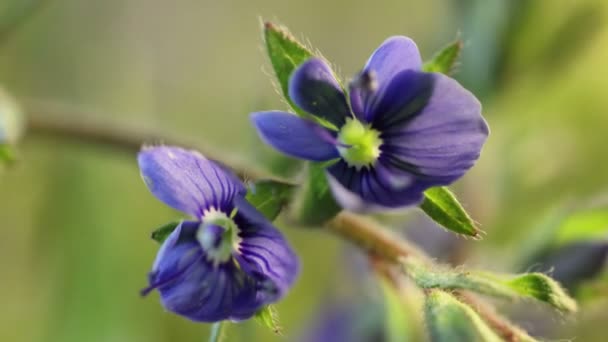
x: 75, y: 218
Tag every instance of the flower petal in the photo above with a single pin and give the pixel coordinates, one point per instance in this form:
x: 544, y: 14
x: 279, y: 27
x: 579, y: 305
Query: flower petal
x: 371, y: 189
x: 187, y: 181
x: 443, y: 140
x: 177, y: 253
x: 295, y: 136
x: 211, y: 293
x: 406, y: 94
x: 395, y: 55
x: 264, y: 253
x: 314, y: 88
x: 191, y: 286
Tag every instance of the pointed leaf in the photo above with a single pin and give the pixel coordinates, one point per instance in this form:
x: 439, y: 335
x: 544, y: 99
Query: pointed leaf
x: 443, y: 207
x: 529, y: 285
x: 269, y: 317
x: 445, y: 59
x: 161, y: 233
x: 544, y: 289
x: 285, y: 54
x: 269, y: 197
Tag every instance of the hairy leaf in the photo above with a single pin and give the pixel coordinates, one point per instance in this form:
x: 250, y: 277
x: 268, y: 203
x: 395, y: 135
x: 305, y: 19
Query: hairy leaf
x: 443, y: 207
x: 536, y: 286
x: 285, y: 54
x: 445, y: 59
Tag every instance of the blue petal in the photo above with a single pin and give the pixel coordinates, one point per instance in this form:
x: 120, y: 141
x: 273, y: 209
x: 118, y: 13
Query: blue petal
x: 295, y: 136
x: 395, y: 55
x: 404, y: 97
x: 264, y: 253
x: 372, y: 189
x: 314, y: 88
x: 443, y: 140
x: 187, y: 181
x: 193, y: 287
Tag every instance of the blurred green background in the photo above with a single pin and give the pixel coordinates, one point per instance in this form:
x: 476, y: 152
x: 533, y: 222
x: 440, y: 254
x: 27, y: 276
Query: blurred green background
x: 76, y: 218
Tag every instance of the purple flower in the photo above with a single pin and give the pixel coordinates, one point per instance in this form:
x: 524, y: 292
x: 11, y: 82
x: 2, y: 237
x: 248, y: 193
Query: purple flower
x: 229, y: 261
x: 398, y: 132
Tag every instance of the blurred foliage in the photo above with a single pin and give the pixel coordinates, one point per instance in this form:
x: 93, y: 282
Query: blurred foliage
x: 76, y: 219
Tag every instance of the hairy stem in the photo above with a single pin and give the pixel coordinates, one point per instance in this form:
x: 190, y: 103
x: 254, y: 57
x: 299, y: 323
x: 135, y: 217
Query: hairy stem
x: 371, y: 237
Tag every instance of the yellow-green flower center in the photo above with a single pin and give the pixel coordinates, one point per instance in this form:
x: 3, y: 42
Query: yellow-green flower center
x: 361, y: 144
x: 219, y: 236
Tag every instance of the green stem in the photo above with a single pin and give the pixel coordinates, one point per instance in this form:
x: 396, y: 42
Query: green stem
x: 63, y: 122
x: 217, y: 331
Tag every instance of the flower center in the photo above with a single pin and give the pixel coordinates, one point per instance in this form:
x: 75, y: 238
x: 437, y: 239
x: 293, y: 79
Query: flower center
x: 219, y: 236
x: 362, y: 144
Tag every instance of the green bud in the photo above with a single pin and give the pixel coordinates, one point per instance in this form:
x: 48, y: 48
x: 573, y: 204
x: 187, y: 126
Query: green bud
x: 450, y: 320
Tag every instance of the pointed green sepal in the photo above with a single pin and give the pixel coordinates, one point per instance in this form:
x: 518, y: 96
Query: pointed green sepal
x: 161, y: 233
x: 269, y: 317
x: 445, y: 60
x: 441, y: 205
x: 286, y: 53
x: 544, y: 289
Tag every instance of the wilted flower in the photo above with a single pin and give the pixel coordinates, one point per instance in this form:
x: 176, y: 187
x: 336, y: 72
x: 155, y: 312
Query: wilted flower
x: 401, y: 131
x: 229, y: 261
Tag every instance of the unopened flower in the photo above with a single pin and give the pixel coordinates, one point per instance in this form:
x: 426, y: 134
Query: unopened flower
x: 227, y: 262
x: 398, y: 132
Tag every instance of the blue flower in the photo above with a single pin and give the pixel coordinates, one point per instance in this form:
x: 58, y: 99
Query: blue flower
x: 226, y: 263
x: 398, y: 132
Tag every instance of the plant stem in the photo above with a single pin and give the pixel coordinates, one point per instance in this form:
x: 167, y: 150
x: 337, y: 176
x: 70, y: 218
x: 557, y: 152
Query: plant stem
x: 217, y: 331
x: 371, y: 237
x: 67, y: 123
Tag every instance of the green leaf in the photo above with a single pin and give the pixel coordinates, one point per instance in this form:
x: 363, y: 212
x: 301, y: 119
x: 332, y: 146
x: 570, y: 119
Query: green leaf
x: 530, y: 285
x: 445, y: 59
x: 285, y: 54
x: 269, y: 197
x: 544, y: 289
x: 443, y: 207
x: 315, y: 202
x: 450, y: 320
x: 269, y: 317
x: 162, y: 233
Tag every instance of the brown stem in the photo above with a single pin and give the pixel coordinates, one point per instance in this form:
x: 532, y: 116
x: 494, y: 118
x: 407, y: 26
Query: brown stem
x: 61, y: 122
x: 371, y: 237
